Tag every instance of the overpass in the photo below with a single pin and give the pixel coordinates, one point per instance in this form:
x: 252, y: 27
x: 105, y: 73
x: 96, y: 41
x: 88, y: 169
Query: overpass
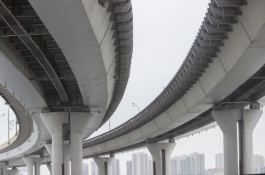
x: 222, y: 73
x: 75, y: 59
x: 223, y: 55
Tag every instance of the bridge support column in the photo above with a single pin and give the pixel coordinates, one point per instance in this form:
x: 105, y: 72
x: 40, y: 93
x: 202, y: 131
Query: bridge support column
x: 104, y: 164
x: 78, y: 124
x: 3, y: 169
x: 54, y: 122
x: 33, y: 161
x: 237, y: 126
x: 29, y: 165
x: 66, y: 159
x: 161, y: 156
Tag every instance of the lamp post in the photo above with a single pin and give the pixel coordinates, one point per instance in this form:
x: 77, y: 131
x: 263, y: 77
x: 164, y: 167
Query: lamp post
x: 134, y: 105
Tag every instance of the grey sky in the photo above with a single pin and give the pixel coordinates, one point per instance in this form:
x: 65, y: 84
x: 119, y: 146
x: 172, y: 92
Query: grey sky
x: 163, y: 34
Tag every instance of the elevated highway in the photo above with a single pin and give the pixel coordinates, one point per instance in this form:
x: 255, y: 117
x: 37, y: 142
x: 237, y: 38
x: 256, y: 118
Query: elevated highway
x: 74, y: 59
x: 224, y: 67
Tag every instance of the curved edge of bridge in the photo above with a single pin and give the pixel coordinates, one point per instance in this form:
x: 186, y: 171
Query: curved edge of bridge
x: 24, y: 118
x: 18, y: 151
x: 219, y: 53
x: 118, y: 32
x: 98, y: 49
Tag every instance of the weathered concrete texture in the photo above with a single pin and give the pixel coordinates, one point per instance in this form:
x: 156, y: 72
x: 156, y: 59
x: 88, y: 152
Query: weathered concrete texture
x: 87, y: 43
x: 104, y: 164
x: 155, y: 150
x: 227, y: 120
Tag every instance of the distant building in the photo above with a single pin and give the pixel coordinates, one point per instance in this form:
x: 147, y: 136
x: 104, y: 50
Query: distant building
x: 150, y: 166
x: 214, y: 171
x: 115, y: 167
x: 260, y: 169
x: 140, y: 164
x: 85, y: 169
x: 219, y: 160
x: 192, y: 164
x: 129, y: 167
x: 175, y: 165
x: 259, y: 163
x: 198, y: 163
x: 93, y: 168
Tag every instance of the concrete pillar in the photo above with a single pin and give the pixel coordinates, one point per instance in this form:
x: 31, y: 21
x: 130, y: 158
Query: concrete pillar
x: 49, y: 168
x: 66, y: 159
x: 54, y: 122
x: 3, y: 169
x: 104, y: 165
x: 78, y: 124
x: 33, y: 161
x: 29, y: 165
x: 230, y: 122
x: 161, y: 156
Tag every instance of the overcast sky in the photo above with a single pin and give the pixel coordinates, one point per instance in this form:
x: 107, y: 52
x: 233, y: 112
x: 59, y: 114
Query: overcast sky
x: 163, y: 34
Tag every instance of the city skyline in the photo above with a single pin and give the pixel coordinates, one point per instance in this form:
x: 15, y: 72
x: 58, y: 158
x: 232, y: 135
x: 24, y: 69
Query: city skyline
x: 90, y: 165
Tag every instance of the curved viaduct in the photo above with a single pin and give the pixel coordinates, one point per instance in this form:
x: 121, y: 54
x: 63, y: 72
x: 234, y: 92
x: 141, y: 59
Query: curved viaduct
x: 70, y: 58
x: 222, y: 73
x: 225, y: 65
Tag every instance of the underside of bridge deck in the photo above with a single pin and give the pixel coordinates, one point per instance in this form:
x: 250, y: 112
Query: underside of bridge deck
x: 23, y: 29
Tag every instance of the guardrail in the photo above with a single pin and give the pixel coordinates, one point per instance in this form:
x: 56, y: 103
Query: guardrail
x: 215, y: 26
x: 10, y: 141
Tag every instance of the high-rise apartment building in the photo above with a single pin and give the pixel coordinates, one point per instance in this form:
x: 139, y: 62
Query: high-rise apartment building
x: 219, y: 160
x: 176, y: 165
x: 93, y: 168
x: 192, y: 164
x: 260, y: 169
x: 129, y: 167
x: 85, y: 169
x: 259, y: 163
x: 140, y: 164
x: 115, y: 167
x: 150, y: 165
x: 198, y: 163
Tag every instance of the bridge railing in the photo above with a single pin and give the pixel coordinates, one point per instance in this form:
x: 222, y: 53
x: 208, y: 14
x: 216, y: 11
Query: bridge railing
x: 10, y: 141
x: 204, y: 48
